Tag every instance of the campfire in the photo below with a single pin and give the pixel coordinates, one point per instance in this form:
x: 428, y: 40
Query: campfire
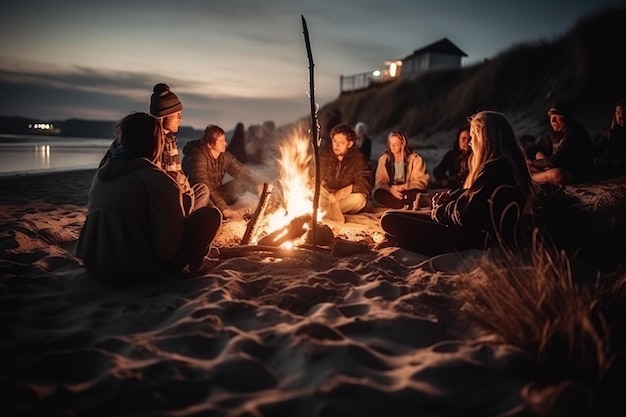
x: 286, y: 228
x: 288, y: 224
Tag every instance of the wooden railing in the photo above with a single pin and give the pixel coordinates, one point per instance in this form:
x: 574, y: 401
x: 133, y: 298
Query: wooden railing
x: 355, y: 81
x: 361, y: 80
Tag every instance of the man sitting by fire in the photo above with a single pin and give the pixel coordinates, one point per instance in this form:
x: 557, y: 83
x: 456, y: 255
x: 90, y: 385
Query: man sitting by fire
x: 346, y: 179
x: 207, y: 161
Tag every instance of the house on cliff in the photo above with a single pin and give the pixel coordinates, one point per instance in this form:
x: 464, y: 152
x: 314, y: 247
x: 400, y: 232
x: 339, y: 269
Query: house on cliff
x: 442, y: 54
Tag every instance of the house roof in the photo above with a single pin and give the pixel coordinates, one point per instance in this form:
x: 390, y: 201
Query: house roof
x: 442, y: 46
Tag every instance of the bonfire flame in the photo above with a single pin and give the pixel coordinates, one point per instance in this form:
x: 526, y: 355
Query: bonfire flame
x: 297, y: 193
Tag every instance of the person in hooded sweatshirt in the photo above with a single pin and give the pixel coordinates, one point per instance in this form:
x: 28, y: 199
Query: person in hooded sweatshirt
x: 206, y: 161
x: 136, y: 229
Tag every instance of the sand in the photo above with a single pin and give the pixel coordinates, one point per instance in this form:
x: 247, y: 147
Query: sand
x: 313, y: 333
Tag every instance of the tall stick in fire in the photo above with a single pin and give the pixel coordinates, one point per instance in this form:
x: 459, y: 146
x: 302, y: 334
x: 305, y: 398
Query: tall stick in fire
x: 314, y: 133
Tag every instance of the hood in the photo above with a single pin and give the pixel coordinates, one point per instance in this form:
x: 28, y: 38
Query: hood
x: 194, y: 146
x: 354, y: 150
x: 115, y: 168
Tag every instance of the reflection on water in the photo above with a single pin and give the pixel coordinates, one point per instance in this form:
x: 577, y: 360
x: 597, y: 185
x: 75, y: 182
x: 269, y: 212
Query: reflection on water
x: 43, y: 154
x: 28, y: 154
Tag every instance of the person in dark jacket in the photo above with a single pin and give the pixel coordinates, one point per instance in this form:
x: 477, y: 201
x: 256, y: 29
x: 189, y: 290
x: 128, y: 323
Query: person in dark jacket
x: 136, y: 229
x: 610, y: 146
x: 206, y: 161
x: 345, y: 175
x: 485, y: 211
x: 363, y: 141
x: 237, y: 144
x: 452, y: 169
x: 565, y: 155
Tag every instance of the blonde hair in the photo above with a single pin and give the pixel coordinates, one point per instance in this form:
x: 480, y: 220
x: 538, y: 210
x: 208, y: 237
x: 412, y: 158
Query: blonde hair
x: 403, y: 139
x: 492, y: 137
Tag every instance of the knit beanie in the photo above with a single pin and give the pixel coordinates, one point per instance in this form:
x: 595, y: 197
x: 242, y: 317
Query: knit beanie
x: 163, y: 102
x: 561, y: 108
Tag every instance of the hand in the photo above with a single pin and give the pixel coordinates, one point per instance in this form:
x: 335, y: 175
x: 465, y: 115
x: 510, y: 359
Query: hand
x: 239, y: 214
x: 441, y: 198
x: 396, y: 191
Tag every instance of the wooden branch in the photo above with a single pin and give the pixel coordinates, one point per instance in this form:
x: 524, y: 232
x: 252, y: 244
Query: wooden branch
x: 243, y: 251
x: 292, y: 231
x: 314, y: 130
x: 253, y: 224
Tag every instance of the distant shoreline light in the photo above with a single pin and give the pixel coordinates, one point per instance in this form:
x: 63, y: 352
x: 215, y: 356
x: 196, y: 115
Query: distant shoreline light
x: 44, y: 128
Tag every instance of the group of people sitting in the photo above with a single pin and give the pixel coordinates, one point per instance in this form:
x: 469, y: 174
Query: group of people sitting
x: 152, y: 213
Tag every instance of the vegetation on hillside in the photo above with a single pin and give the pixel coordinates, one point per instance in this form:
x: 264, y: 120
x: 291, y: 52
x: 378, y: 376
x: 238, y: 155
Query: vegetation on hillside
x: 582, y: 66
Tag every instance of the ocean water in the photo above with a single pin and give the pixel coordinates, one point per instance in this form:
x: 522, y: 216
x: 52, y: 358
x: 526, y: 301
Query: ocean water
x: 22, y: 154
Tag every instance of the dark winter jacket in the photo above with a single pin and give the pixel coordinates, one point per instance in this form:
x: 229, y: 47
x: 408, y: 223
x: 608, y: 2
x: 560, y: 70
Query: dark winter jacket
x: 134, y: 224
x: 453, y: 167
x: 353, y: 170
x: 200, y: 166
x: 571, y: 150
x: 492, y: 205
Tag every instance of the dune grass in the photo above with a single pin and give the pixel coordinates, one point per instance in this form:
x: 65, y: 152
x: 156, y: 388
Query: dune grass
x: 560, y: 295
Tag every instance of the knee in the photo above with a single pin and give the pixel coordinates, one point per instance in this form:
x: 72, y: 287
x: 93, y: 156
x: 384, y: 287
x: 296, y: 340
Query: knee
x: 201, y: 194
x: 353, y: 204
x: 207, y: 216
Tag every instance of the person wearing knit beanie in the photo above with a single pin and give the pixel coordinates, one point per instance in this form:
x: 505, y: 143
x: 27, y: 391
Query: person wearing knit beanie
x: 163, y: 101
x: 565, y: 155
x: 166, y: 105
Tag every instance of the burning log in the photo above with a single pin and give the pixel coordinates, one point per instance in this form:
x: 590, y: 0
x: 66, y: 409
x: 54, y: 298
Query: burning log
x: 295, y: 229
x: 324, y: 236
x: 238, y: 251
x: 253, y: 224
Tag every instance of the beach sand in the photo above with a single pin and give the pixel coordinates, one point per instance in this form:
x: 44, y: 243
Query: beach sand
x: 320, y: 332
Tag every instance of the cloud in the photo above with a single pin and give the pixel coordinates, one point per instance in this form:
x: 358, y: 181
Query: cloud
x: 109, y: 95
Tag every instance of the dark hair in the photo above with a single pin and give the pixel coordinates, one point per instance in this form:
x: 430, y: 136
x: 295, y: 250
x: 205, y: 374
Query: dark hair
x: 142, y: 134
x: 455, y: 145
x: 346, y: 129
x: 210, y: 135
x: 560, y: 107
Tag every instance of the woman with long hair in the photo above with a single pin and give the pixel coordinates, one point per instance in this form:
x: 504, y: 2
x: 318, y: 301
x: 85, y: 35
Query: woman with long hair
x: 486, y: 210
x: 400, y: 174
x: 452, y: 169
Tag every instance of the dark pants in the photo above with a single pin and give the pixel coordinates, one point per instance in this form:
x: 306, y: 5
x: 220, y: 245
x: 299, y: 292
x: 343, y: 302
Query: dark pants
x: 417, y: 232
x: 200, y: 229
x: 387, y: 199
